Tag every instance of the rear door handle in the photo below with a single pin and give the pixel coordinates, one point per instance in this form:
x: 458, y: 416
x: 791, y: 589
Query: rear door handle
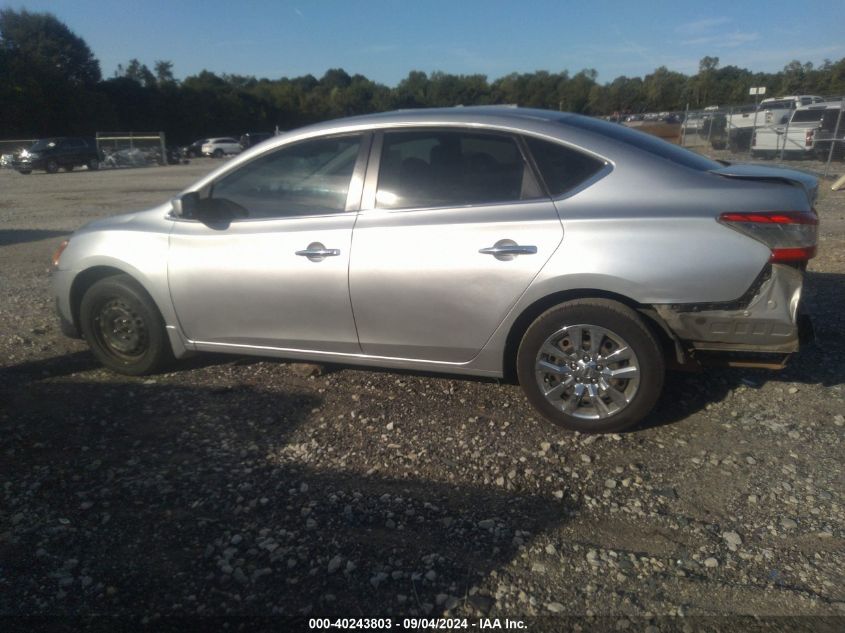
x: 316, y: 252
x: 506, y: 250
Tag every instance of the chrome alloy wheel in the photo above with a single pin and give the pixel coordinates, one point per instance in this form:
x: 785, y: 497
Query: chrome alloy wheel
x: 122, y: 330
x: 587, y: 371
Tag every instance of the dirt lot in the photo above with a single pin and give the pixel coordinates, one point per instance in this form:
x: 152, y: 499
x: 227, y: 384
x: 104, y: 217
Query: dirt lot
x: 251, y: 487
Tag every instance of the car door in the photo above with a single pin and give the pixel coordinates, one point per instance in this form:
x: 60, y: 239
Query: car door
x: 453, y: 229
x: 275, y: 276
x: 65, y: 152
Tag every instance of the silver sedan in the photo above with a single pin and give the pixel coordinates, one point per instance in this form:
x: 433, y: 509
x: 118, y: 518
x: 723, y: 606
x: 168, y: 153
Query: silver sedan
x: 578, y: 256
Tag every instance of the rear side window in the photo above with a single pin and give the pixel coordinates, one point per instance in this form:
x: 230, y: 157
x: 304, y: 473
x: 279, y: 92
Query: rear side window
x: 829, y: 119
x: 446, y: 168
x: 562, y: 168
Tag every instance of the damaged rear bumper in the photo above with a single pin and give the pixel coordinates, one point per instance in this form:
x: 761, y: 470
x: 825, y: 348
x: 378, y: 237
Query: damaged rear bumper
x: 767, y: 320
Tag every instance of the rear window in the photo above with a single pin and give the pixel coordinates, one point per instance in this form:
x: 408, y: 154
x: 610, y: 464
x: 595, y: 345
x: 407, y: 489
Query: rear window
x: 562, y: 168
x: 778, y: 105
x: 643, y: 142
x: 807, y: 116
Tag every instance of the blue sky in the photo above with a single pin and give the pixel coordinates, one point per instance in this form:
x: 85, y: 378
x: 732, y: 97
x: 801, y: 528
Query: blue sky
x: 384, y: 39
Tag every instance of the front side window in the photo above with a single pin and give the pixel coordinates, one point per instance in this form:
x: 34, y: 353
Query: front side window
x: 307, y: 178
x: 444, y: 168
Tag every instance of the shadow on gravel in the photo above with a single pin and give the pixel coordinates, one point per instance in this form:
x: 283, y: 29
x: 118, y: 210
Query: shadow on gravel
x: 135, y: 497
x: 21, y: 236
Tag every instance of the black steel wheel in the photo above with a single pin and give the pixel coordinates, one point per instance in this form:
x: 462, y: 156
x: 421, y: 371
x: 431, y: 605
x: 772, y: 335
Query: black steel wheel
x: 123, y: 326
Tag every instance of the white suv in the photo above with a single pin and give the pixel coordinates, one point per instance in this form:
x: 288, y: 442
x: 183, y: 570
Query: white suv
x: 217, y: 147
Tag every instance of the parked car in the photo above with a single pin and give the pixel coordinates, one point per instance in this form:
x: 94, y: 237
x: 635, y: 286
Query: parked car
x: 251, y: 139
x: 218, y: 147
x: 795, y: 139
x: 579, y: 256
x: 174, y: 156
x: 777, y: 110
x: 51, y: 154
x: 194, y: 150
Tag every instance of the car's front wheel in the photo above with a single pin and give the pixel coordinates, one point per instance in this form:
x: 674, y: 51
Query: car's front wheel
x: 51, y: 167
x: 123, y: 326
x: 591, y: 365
x: 218, y: 153
x: 93, y: 164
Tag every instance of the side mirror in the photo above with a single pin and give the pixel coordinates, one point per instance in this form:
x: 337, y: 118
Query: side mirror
x: 185, y: 206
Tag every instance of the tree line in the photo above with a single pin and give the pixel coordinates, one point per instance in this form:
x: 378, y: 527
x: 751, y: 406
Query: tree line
x: 51, y: 84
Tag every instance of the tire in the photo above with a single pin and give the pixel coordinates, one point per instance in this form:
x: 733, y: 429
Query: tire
x: 123, y: 327
x: 51, y: 167
x: 580, y: 392
x: 218, y: 153
x: 93, y: 164
x: 68, y: 168
x: 25, y: 172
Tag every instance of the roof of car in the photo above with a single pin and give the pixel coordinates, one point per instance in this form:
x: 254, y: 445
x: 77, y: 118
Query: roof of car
x: 491, y: 116
x: 480, y: 113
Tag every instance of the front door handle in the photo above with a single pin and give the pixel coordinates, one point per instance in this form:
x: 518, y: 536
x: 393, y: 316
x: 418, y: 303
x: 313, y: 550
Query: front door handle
x: 316, y: 252
x: 506, y: 250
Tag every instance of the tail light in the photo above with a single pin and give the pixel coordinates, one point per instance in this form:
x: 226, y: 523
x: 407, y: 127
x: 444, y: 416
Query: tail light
x: 808, y: 137
x: 791, y: 235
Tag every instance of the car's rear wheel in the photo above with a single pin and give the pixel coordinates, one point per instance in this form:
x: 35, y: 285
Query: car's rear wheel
x: 93, y: 164
x: 123, y: 326
x: 68, y: 168
x: 51, y: 167
x: 218, y: 153
x: 591, y: 365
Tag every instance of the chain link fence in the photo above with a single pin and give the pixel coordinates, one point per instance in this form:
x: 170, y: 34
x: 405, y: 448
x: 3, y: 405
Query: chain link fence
x: 771, y: 131
x: 131, y: 149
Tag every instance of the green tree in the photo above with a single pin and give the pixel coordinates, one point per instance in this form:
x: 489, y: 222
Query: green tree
x: 164, y: 72
x: 137, y: 72
x: 44, y: 45
x: 47, y: 76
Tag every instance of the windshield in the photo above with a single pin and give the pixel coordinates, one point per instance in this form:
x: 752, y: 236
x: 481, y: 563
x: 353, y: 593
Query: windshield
x: 644, y: 142
x: 42, y: 144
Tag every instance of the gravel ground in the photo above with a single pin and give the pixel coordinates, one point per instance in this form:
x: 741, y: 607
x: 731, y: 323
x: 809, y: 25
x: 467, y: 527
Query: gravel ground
x: 236, y: 486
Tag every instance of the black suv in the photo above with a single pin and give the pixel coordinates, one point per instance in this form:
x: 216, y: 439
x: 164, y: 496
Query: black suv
x: 50, y: 154
x: 194, y: 150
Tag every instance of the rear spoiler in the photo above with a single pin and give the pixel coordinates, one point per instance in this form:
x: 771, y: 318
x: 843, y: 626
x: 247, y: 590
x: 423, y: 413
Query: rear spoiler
x: 793, y: 177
